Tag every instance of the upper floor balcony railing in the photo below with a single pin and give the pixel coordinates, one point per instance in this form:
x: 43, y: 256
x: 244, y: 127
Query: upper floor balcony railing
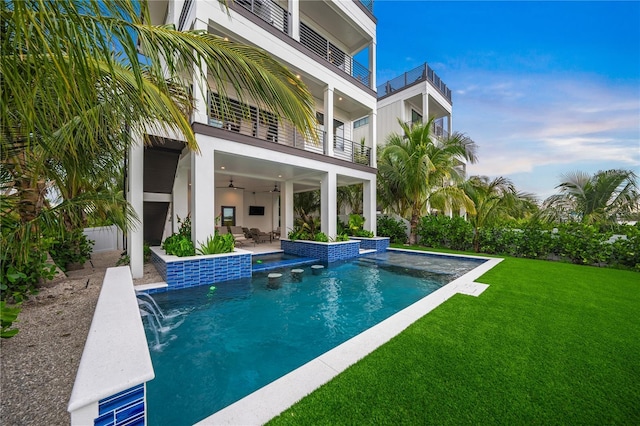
x: 421, y: 73
x: 368, y: 4
x: 260, y: 124
x: 437, y: 128
x: 269, y: 11
x: 331, y: 53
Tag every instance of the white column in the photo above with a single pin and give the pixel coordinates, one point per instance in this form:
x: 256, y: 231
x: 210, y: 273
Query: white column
x: 294, y: 19
x: 286, y: 198
x: 200, y: 86
x: 369, y: 204
x: 202, y: 194
x: 425, y: 104
x: 180, y: 201
x: 329, y: 204
x: 373, y: 137
x: 328, y: 120
x: 372, y: 64
x: 135, y: 236
x: 450, y: 124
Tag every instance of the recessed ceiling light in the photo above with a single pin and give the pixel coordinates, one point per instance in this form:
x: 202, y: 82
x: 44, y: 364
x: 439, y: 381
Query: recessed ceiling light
x: 279, y: 175
x: 340, y: 98
x: 222, y: 167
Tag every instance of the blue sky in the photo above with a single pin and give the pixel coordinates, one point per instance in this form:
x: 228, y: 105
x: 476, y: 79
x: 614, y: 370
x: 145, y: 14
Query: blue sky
x: 543, y: 88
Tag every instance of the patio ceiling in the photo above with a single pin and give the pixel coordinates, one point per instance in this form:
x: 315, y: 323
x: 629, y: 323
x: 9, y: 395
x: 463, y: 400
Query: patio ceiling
x: 258, y: 175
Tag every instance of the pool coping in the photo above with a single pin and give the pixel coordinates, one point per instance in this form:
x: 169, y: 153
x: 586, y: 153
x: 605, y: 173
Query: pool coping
x: 269, y: 401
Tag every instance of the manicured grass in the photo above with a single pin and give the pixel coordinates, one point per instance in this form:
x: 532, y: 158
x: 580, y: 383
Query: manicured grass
x: 546, y: 343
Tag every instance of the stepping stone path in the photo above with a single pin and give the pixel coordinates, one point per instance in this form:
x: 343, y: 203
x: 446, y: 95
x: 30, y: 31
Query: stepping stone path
x: 317, y: 269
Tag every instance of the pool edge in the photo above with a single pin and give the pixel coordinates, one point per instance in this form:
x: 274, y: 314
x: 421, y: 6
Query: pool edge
x: 267, y: 402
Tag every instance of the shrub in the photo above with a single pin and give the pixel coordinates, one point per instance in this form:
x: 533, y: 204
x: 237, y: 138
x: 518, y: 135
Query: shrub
x: 179, y: 245
x: 445, y: 232
x: 217, y: 244
x: 321, y: 237
x: 74, y: 247
x: 396, y: 230
x: 8, y: 315
x: 17, y: 282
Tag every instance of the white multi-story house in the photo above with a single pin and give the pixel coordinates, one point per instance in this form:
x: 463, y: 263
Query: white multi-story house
x: 250, y: 165
x: 414, y: 96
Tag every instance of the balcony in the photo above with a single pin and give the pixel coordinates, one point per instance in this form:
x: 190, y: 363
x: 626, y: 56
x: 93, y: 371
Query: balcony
x: 437, y: 128
x: 269, y: 11
x: 332, y: 54
x: 248, y: 120
x: 421, y: 73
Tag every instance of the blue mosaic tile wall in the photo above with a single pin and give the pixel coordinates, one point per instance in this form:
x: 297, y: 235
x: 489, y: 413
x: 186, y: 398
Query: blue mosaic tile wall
x: 195, y: 272
x: 378, y: 243
x: 325, y: 252
x: 123, y: 408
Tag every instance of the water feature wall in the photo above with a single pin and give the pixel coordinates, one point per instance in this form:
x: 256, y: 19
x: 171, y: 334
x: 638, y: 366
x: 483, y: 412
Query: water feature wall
x: 110, y: 385
x: 191, y: 271
x: 326, y: 252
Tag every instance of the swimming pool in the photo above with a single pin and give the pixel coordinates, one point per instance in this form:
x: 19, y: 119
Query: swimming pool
x: 245, y: 334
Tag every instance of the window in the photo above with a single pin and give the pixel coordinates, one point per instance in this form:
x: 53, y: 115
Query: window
x: 415, y: 117
x: 361, y: 122
x: 228, y: 216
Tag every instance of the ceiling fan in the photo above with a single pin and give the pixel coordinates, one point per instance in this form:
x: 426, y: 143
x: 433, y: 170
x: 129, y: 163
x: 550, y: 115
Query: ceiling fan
x: 231, y: 185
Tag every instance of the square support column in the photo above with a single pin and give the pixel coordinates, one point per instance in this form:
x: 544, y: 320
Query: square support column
x: 286, y: 208
x: 202, y: 194
x: 369, y: 205
x: 135, y: 196
x: 373, y: 137
x: 328, y: 120
x: 180, y: 194
x: 200, y: 86
x: 329, y: 204
x: 294, y: 19
x: 372, y: 64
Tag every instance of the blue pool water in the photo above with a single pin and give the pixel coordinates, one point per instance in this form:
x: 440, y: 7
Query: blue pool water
x: 227, y: 342
x: 265, y: 262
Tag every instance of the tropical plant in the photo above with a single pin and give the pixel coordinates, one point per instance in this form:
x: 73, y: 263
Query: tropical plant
x: 605, y: 198
x: 70, y: 102
x: 350, y: 197
x: 495, y: 200
x: 217, y: 244
x: 396, y: 230
x: 417, y: 170
x: 8, y: 315
x: 305, y: 203
x: 74, y: 248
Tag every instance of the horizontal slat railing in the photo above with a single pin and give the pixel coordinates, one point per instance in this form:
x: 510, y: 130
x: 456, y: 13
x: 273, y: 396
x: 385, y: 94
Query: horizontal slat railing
x: 251, y: 121
x: 268, y: 11
x: 331, y: 53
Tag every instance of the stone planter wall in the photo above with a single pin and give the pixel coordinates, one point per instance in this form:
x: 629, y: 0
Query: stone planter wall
x: 325, y: 252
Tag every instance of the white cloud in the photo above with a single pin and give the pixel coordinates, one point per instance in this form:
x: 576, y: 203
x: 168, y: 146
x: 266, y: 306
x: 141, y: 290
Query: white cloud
x: 525, y: 123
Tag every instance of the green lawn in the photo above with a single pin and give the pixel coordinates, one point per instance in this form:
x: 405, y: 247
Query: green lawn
x: 546, y: 343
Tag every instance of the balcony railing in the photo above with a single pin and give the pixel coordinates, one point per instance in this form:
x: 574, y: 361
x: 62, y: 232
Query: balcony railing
x: 331, y: 53
x: 184, y: 13
x: 268, y: 11
x: 351, y: 151
x: 368, y: 4
x: 437, y: 128
x: 421, y: 73
x: 248, y: 120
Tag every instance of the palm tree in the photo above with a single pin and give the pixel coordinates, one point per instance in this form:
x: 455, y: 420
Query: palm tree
x: 605, y: 197
x: 417, y: 169
x: 495, y: 200
x: 73, y: 84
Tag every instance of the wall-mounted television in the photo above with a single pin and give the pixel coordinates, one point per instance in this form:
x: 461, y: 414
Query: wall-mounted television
x: 256, y: 210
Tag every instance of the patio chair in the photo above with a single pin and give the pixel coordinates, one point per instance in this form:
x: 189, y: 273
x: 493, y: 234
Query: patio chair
x: 259, y: 236
x: 237, y: 233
